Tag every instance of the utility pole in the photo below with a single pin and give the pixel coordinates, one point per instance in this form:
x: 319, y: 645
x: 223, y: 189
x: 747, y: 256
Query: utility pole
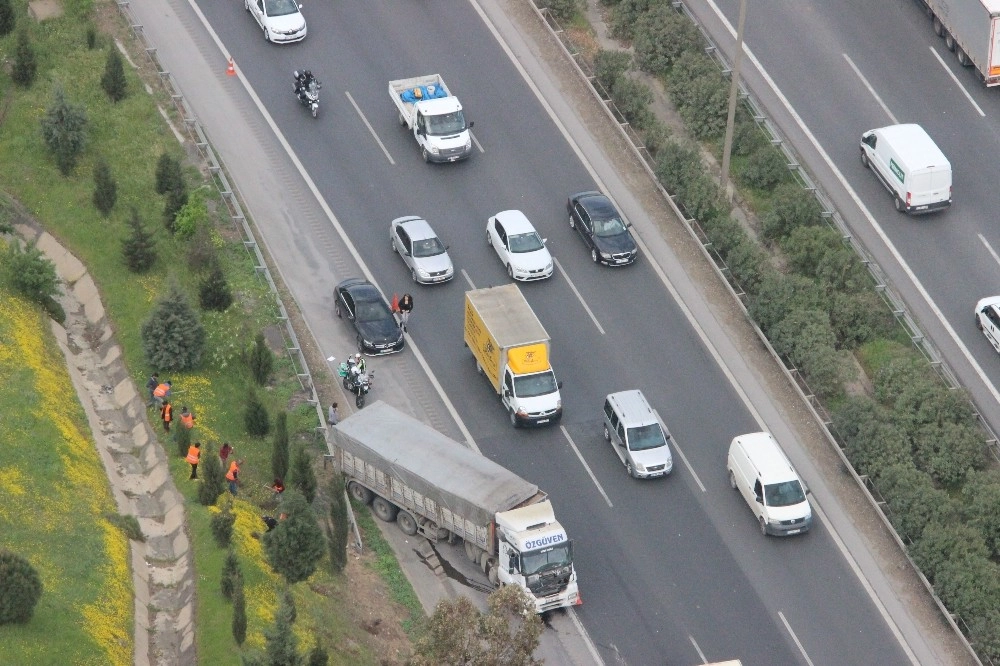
x: 734, y: 86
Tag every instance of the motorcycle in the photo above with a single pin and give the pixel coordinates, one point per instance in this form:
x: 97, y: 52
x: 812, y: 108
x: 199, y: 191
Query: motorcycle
x: 358, y: 383
x: 308, y: 94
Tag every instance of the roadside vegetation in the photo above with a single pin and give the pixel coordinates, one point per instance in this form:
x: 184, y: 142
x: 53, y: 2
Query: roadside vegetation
x: 916, y: 441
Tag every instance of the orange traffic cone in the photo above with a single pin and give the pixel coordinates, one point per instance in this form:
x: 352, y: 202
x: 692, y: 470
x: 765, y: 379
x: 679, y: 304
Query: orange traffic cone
x: 395, y: 302
x: 231, y: 70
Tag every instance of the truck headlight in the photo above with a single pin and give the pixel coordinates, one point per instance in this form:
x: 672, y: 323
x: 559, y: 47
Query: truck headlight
x: 468, y: 143
x: 433, y: 149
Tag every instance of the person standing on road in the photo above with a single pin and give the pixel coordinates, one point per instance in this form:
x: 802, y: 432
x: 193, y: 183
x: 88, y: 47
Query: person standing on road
x: 194, y: 454
x: 405, y: 308
x: 167, y: 414
x: 151, y: 385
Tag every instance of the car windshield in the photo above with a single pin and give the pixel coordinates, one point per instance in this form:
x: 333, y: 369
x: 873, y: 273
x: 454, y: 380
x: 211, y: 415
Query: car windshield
x: 537, y: 561
x: 371, y: 311
x: 530, y: 386
x: 281, y: 7
x: 646, y: 437
x: 429, y: 247
x: 446, y: 123
x: 609, y: 227
x: 787, y: 493
x: 529, y: 242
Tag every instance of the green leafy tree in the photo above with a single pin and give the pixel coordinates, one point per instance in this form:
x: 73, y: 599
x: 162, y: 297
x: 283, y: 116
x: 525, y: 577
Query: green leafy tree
x: 337, y: 528
x: 609, y: 66
x: 625, y: 17
x: 169, y: 175
x: 303, y: 475
x: 192, y: 215
x: 255, y: 418
x: 221, y: 525
x: 20, y: 588
x: 239, y: 613
x: 279, y: 448
x: 260, y: 361
x: 30, y: 273
x: 8, y: 19
x: 662, y: 35
x: 980, y: 499
x: 677, y: 165
x: 213, y: 477
x: 280, y: 642
x: 942, y: 543
x: 764, y: 168
x: 175, y: 201
x: 792, y: 207
x: 105, y: 187
x: 232, y: 574
x: 458, y: 633
x: 632, y: 98
x: 25, y: 62
x: 214, y: 292
x: 139, y: 247
x: 318, y: 656
x: 113, y: 81
x: 173, y: 337
x: 64, y: 128
x: 913, y: 500
x: 295, y: 546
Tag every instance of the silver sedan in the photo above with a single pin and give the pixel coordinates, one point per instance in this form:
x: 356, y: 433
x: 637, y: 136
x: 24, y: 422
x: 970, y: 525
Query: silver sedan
x: 421, y: 250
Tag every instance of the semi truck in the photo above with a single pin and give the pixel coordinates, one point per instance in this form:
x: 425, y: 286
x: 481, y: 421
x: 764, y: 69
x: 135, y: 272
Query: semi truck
x: 971, y: 28
x: 434, y: 116
x: 433, y: 486
x: 512, y: 349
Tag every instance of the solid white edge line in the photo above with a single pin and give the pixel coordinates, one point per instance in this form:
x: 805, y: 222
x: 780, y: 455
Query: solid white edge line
x: 989, y: 248
x: 871, y: 90
x: 681, y: 453
x: 578, y: 296
x: 579, y: 455
x: 697, y: 648
x: 371, y: 129
x: 954, y: 78
x: 591, y: 648
x: 795, y: 638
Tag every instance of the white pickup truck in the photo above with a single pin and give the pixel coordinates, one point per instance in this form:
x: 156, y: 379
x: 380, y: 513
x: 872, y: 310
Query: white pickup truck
x: 434, y: 116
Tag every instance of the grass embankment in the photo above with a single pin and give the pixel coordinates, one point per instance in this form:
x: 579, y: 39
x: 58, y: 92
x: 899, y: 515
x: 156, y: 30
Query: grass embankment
x: 131, y: 135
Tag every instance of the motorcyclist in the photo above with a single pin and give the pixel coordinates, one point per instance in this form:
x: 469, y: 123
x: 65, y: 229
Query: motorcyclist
x: 357, y: 364
x: 302, y: 82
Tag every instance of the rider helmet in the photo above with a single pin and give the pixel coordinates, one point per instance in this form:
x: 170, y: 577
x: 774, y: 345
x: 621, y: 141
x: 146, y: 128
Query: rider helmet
x: 308, y: 74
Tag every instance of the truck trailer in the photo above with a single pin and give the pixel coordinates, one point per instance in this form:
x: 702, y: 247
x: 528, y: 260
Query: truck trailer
x: 971, y: 29
x: 512, y: 349
x: 435, y: 487
x: 435, y: 117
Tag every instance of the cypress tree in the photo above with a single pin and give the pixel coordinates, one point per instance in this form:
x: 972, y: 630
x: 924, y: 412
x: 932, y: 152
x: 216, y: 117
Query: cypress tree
x: 318, y: 656
x: 213, y: 477
x: 221, y: 525
x: 281, y: 643
x: 255, y: 418
x: 64, y: 128
x: 279, y: 449
x: 215, y: 293
x: 261, y: 361
x: 337, y: 527
x: 139, y: 247
x: 105, y: 187
x: 172, y: 337
x: 113, y: 81
x: 239, y: 613
x: 168, y: 174
x: 182, y: 437
x: 303, y: 476
x: 177, y: 198
x: 295, y: 546
x: 232, y: 574
x: 8, y: 19
x: 25, y: 63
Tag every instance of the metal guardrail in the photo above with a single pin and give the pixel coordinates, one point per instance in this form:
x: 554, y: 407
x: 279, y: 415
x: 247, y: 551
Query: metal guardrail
x: 879, y: 282
x: 216, y: 168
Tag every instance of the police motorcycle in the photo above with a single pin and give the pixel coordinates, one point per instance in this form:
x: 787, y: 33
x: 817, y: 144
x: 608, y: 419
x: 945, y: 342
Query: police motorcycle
x: 307, y: 90
x: 356, y: 378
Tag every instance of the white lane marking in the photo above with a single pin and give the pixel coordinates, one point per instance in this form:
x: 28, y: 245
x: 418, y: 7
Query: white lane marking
x: 586, y: 637
x: 989, y: 248
x: 795, y: 638
x: 677, y: 447
x: 371, y: 129
x: 586, y: 466
x: 954, y: 78
x: 472, y: 285
x: 578, y: 296
x: 476, y: 141
x: 701, y: 654
x: 870, y: 89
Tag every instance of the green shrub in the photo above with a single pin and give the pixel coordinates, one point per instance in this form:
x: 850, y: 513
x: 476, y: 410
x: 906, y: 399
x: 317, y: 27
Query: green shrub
x: 819, y: 251
x: 941, y: 543
x: 338, y: 527
x: 807, y: 339
x: 625, y: 16
x: 872, y: 442
x: 168, y: 174
x: 780, y: 294
x: 128, y: 524
x: 747, y: 138
x: 260, y: 361
x: 173, y: 337
x: 792, y: 207
x: 632, y: 98
x: 702, y: 197
x: 676, y: 165
x: 202, y: 250
x: 655, y: 135
x: 984, y: 634
x: 182, y: 438
x: 255, y: 418
x: 64, y: 128
x: 221, y: 525
x: 913, y: 500
x: 980, y: 497
x: 296, y: 545
x: 662, y: 35
x: 114, y: 83
x: 105, y: 188
x: 609, y: 66
x: 302, y: 473
x: 239, y: 614
x: 8, y: 19
x: 562, y: 9
x: 279, y: 447
x: 213, y: 477
x: 232, y: 574
x: 764, y: 168
x: 969, y: 586
x: 318, y: 655
x: 20, y: 589
x: 25, y: 62
x: 859, y: 318
x: 949, y: 451
x: 192, y: 215
x: 749, y: 264
x: 30, y: 273
x: 214, y: 292
x: 91, y: 37
x: 139, y: 248
x: 174, y: 203
x: 705, y: 114
x: 899, y: 374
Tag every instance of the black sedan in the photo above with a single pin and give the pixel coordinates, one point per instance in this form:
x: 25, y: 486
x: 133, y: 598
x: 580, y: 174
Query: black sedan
x: 601, y: 227
x: 366, y: 309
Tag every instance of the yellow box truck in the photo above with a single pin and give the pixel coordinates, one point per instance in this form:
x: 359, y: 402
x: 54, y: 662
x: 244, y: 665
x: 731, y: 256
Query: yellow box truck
x: 512, y: 349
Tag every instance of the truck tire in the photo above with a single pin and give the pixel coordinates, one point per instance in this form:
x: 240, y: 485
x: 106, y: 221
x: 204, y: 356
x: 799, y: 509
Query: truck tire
x: 470, y: 551
x: 360, y: 493
x: 962, y: 57
x: 938, y: 27
x: 494, y: 577
x: 426, y: 155
x: 763, y: 525
x: 406, y: 523
x: 949, y: 41
x: 630, y: 469
x: 486, y: 563
x: 384, y: 509
x: 898, y: 203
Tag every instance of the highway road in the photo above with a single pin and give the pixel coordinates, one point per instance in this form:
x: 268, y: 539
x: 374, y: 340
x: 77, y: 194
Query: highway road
x: 671, y: 571
x: 879, y: 64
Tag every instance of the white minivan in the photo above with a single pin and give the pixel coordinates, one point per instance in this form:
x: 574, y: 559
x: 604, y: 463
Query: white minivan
x: 988, y: 319
x: 636, y: 435
x: 760, y: 471
x: 910, y: 165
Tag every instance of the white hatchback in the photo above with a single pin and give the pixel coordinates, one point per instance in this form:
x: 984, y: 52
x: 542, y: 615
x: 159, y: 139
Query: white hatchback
x: 521, y: 250
x: 281, y: 20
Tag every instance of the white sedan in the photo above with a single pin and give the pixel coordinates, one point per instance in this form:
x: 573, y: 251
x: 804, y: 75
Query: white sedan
x: 281, y: 20
x: 521, y: 250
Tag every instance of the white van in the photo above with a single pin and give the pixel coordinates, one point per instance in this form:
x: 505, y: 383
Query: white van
x: 636, y: 435
x: 988, y: 319
x: 769, y: 484
x: 910, y: 165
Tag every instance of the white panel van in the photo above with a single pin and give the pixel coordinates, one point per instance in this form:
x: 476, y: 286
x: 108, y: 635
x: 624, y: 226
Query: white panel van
x: 910, y: 165
x: 760, y: 471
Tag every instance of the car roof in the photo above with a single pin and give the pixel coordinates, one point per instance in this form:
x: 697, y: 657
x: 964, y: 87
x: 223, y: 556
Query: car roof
x: 417, y: 228
x: 635, y: 410
x: 360, y: 289
x: 597, y: 204
x: 514, y: 221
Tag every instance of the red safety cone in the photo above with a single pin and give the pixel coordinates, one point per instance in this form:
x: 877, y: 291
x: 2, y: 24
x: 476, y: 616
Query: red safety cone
x: 395, y: 302
x: 231, y: 70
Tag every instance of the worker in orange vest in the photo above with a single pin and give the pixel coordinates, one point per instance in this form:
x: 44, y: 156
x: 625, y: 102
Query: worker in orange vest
x: 187, y: 418
x: 194, y: 453
x: 233, y: 475
x: 161, y: 393
x: 167, y: 414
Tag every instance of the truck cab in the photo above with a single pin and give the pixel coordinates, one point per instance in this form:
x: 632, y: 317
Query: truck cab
x: 531, y: 395
x: 536, y: 555
x: 441, y: 130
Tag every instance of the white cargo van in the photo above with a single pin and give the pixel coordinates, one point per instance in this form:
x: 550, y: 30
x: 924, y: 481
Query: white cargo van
x: 769, y: 484
x: 910, y: 165
x: 988, y: 319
